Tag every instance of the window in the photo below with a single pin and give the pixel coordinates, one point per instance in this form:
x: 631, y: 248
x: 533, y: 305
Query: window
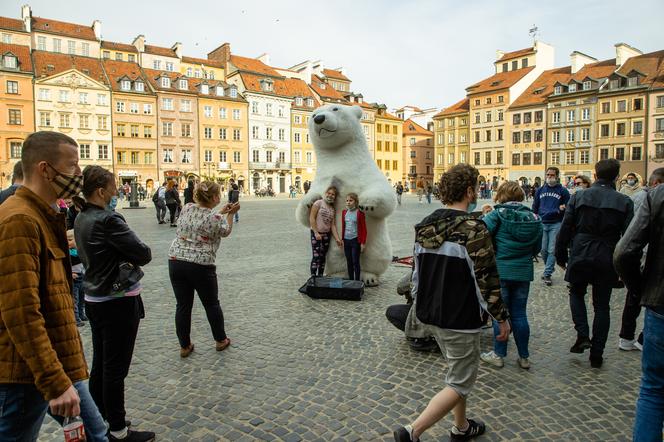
x: 505, y: 67
x: 156, y: 64
x: 462, y: 138
x: 236, y: 157
x: 539, y: 116
x: 147, y: 131
x: 527, y: 117
x: 620, y: 129
x: 585, y: 113
x: 134, y: 158
x: 570, y: 136
x: 65, y: 120
x: 12, y: 87
x: 488, y: 100
x: 119, y: 56
x: 310, y: 102
x: 147, y: 108
x: 281, y: 112
x: 487, y: 135
x: 85, y: 49
x: 71, y: 47
x: 569, y: 157
x: 487, y: 157
x: 119, y: 106
x: 515, y: 65
x: 102, y: 99
x: 587, y: 85
x: 636, y: 153
x: 500, y: 135
x: 487, y: 116
x: 268, y: 156
x: 282, y: 157
x: 450, y: 159
x: 297, y: 119
x: 557, y: 90
x: 186, y: 156
x: 379, y: 146
x: 527, y: 136
x: 165, y: 82
x: 102, y: 122
x: 585, y: 134
x: 660, y: 101
x: 207, y: 133
x: 500, y: 115
x: 499, y: 157
x: 45, y: 119
x: 14, y: 116
x: 167, y: 129
x: 236, y: 114
x: 64, y: 97
x: 606, y: 107
x: 450, y: 139
x: 604, y: 130
x: 621, y: 106
x: 637, y: 128
x: 659, y: 151
x: 526, y: 158
x: 584, y: 157
x: 395, y: 165
x: 222, y: 113
x: 395, y: 146
x: 185, y: 106
x: 555, y: 136
x: 106, y: 55
x: 387, y: 164
x: 268, y: 109
x: 516, y: 159
x: 186, y: 130
x: 237, y: 134
x: 222, y: 156
x: 233, y: 92
x: 125, y: 85
x: 572, y: 88
x: 219, y: 90
x: 537, y: 158
x: 556, y: 117
x: 638, y: 103
x: 571, y: 115
x: 84, y: 121
x: 500, y: 99
x: 254, y: 133
x: 222, y: 133
x: 539, y: 136
x: 133, y: 108
x: 555, y: 158
x: 182, y: 84
x: 84, y: 151
x: 614, y: 84
x: 604, y: 154
x: 255, y: 156
x: 477, y: 136
x: 659, y: 125
x: 477, y: 117
x: 208, y: 156
x: 169, y: 66
x: 197, y: 73
x: 7, y: 38
x: 476, y: 159
x: 44, y: 94
x: 131, y: 58
x: 41, y: 43
x: 620, y: 153
x: 296, y: 137
x: 207, y: 111
x: 516, y: 137
x: 168, y: 155
x: 120, y: 130
x: 516, y: 119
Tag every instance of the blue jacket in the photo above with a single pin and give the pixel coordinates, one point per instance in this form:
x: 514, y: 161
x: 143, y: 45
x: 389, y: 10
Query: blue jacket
x: 517, y: 234
x: 548, y: 201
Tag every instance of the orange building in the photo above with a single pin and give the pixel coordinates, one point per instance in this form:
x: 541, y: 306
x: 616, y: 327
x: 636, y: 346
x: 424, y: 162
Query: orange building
x: 417, y: 154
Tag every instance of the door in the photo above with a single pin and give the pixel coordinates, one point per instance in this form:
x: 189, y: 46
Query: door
x: 282, y: 184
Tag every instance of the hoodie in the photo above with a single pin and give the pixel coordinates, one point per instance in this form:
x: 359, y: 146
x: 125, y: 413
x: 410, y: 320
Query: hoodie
x: 547, y: 202
x: 517, y: 234
x: 455, y: 279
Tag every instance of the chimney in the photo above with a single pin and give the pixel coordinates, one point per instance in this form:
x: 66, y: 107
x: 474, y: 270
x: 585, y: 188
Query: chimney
x: 177, y: 48
x: 139, y: 43
x: 96, y: 27
x: 265, y: 58
x: 624, y: 52
x: 222, y: 53
x: 499, y: 54
x: 26, y: 15
x: 579, y: 60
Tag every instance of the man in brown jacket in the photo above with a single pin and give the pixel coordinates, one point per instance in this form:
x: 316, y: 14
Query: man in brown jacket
x: 41, y: 354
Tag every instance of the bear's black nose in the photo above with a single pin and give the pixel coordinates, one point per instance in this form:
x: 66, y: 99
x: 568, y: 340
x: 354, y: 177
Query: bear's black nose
x: 319, y: 119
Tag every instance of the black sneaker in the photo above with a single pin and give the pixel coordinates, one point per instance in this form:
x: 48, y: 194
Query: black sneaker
x: 581, y: 345
x: 424, y: 344
x: 401, y: 434
x: 596, y: 361
x: 135, y: 436
x: 474, y: 429
x: 547, y: 281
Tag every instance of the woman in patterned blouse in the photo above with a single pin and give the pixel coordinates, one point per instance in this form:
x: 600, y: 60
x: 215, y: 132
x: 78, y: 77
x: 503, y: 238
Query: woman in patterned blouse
x: 191, y: 264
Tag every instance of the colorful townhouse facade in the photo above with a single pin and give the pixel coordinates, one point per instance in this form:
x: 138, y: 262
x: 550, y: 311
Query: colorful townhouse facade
x: 417, y: 154
x: 655, y: 125
x: 388, y: 151
x: 451, y: 137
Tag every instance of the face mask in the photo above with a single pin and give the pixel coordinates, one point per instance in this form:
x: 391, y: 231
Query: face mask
x: 66, y: 186
x: 329, y: 199
x: 472, y: 206
x: 631, y: 182
x: 551, y: 181
x: 112, y: 204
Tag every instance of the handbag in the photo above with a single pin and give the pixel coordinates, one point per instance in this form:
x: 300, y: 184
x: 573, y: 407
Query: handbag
x: 128, y: 275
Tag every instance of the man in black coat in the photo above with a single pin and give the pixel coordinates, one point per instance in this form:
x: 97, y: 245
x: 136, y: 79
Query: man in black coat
x: 594, y: 221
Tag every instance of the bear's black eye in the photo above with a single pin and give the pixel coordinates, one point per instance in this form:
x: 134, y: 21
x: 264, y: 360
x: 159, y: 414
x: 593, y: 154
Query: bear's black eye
x: 335, y: 109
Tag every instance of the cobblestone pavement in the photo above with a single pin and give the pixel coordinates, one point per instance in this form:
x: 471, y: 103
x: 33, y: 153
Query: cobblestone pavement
x: 320, y: 370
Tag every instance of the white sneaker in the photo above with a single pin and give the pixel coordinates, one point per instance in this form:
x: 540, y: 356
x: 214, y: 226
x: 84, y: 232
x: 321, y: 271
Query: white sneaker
x: 628, y: 344
x: 493, y: 359
x: 638, y: 345
x: 524, y: 363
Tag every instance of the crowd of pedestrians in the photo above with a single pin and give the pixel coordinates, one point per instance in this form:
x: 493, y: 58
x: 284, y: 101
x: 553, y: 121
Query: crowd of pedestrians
x: 68, y: 258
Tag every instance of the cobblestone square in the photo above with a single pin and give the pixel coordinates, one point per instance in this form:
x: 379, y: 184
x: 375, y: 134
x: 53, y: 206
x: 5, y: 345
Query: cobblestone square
x: 320, y: 370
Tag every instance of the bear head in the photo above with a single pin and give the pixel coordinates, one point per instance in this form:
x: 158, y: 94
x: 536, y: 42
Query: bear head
x: 335, y: 125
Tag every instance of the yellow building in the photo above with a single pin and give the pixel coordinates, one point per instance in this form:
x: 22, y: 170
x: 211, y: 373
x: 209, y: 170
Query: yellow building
x: 118, y: 52
x: 16, y: 106
x: 134, y: 106
x: 388, y: 152
x: 451, y: 139
x: 417, y: 154
x: 72, y: 96
x: 223, y: 132
x: 202, y: 68
x: 303, y: 156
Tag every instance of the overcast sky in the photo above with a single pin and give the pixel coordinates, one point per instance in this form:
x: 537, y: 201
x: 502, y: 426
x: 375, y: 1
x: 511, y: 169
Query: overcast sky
x: 419, y: 52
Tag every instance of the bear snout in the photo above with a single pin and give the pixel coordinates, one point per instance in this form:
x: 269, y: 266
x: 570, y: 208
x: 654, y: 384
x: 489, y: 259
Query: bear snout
x: 319, y: 119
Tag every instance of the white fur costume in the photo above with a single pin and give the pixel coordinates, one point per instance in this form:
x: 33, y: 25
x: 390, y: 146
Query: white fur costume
x: 344, y: 161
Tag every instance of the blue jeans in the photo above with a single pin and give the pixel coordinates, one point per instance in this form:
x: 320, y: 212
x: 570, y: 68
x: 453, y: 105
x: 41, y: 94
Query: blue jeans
x: 515, y: 298
x: 79, y: 298
x: 650, y: 405
x: 22, y: 410
x: 95, y: 428
x: 549, y: 236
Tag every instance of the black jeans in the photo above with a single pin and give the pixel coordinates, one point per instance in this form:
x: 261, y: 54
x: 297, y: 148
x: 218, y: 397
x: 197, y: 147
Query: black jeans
x: 187, y: 277
x: 352, y: 252
x: 398, y: 314
x: 172, y: 211
x: 114, y: 326
x: 601, y: 297
x: 630, y: 313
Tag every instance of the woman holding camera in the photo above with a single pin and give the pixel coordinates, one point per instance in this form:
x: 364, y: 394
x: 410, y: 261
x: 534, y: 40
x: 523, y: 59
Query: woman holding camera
x: 191, y: 266
x: 111, y: 254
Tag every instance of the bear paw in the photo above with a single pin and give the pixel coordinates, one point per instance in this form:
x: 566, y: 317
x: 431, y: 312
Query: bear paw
x: 311, y: 198
x: 370, y: 279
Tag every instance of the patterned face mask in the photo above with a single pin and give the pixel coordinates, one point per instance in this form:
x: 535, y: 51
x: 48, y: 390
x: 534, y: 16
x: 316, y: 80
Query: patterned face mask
x: 66, y: 186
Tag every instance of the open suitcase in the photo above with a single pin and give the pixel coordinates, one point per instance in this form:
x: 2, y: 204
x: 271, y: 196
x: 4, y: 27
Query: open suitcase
x: 325, y: 287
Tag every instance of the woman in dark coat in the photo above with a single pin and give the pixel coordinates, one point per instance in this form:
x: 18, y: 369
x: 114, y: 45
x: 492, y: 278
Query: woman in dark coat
x: 172, y: 201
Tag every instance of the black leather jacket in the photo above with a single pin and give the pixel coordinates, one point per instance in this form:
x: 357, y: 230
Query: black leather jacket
x: 104, y: 241
x: 647, y: 228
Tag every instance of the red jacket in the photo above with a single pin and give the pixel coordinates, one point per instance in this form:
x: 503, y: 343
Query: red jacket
x: 361, y: 226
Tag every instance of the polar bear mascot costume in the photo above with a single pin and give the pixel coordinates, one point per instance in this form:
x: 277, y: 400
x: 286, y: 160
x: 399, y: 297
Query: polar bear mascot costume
x: 344, y: 162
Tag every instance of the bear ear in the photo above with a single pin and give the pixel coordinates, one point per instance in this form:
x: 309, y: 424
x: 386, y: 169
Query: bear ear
x: 357, y: 111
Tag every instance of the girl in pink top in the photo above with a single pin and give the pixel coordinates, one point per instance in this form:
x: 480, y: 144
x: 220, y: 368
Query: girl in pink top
x: 321, y: 220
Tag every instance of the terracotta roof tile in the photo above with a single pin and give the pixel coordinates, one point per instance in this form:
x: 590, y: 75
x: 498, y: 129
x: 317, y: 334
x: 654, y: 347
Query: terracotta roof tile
x: 332, y: 73
x: 50, y: 63
x: 388, y: 116
x: 600, y: 69
x: 326, y: 91
x: 114, y: 46
x: 158, y: 50
x: 252, y: 65
x: 279, y: 85
x: 651, y: 65
x: 203, y: 61
x: 12, y: 24
x: 212, y: 94
x: 542, y: 87
x: 515, y: 54
x: 299, y: 88
x: 416, y: 129
x: 23, y: 54
x: 63, y: 28
x: 153, y: 77
x: 461, y: 106
x: 117, y: 70
x: 499, y: 81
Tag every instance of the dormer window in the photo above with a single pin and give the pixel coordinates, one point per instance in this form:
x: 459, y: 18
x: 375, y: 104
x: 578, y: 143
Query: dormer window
x: 322, y: 85
x: 139, y: 86
x: 558, y: 90
x: 587, y: 85
x: 183, y: 84
x: 10, y: 62
x: 233, y: 92
x: 572, y: 87
x: 266, y: 85
x: 220, y: 91
x: 165, y: 82
x: 298, y: 101
x: 632, y: 81
x: 614, y: 84
x: 205, y: 89
x: 310, y: 102
x: 125, y: 85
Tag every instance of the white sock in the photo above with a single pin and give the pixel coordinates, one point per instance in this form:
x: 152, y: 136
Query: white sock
x: 409, y: 429
x: 120, y: 434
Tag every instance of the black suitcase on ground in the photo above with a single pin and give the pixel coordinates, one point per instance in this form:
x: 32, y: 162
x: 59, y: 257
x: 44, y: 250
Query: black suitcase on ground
x: 325, y: 287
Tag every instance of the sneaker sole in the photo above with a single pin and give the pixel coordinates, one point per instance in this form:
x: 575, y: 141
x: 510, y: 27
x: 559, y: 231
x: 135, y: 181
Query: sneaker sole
x: 493, y: 364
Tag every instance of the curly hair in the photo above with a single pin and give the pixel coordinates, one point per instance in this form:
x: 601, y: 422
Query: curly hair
x: 205, y: 192
x: 455, y: 182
